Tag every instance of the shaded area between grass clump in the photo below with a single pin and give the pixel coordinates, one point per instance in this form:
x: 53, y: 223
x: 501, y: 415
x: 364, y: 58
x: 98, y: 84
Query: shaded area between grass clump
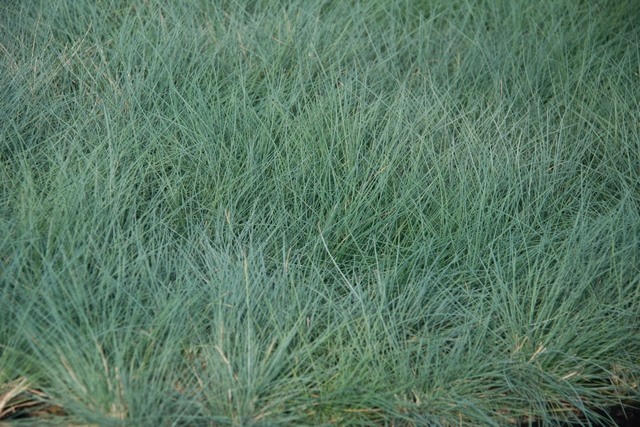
x: 627, y: 415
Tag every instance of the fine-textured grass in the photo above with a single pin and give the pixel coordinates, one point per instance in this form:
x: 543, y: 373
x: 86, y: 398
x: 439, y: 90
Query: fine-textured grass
x: 318, y: 212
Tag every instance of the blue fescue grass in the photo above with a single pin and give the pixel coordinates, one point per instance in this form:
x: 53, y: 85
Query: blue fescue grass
x: 315, y: 213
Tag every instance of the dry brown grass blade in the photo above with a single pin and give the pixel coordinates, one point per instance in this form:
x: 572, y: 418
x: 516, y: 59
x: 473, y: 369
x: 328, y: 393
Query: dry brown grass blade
x: 17, y: 395
x: 10, y: 396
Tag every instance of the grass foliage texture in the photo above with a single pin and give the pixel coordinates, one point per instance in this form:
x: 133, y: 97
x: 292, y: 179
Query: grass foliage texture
x: 318, y: 212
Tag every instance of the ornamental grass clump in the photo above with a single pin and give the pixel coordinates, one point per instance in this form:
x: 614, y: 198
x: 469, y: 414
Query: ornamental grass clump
x: 314, y: 213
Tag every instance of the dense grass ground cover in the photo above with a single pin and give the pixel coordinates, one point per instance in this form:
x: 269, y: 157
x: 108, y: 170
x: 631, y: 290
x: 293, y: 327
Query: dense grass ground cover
x: 317, y: 212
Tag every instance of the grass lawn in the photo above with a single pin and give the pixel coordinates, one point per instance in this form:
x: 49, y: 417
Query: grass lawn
x: 304, y: 212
